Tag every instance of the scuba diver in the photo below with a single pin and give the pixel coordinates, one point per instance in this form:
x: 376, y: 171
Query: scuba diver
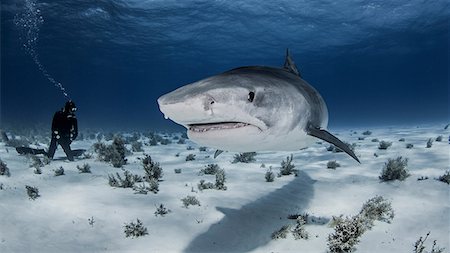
x: 64, y: 130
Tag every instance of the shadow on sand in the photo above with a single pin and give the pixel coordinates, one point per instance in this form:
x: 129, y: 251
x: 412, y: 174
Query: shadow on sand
x: 251, y: 226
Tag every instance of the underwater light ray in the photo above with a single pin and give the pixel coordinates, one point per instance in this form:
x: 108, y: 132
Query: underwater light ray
x: 29, y: 23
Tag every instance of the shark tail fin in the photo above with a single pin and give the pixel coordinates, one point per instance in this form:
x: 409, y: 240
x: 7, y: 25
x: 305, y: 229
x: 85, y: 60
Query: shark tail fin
x: 289, y: 64
x: 326, y: 136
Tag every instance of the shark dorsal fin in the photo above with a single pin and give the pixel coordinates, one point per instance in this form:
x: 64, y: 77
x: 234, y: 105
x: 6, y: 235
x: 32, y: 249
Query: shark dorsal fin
x: 289, y: 64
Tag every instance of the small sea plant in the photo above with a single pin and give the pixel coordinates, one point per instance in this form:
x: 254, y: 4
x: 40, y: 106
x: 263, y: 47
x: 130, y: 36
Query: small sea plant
x: 135, y: 229
x: 37, y: 170
x: 190, y: 157
x: 46, y: 160
x: 127, y: 181
x: 165, y: 141
x: 91, y: 221
x: 4, y: 170
x: 136, y: 146
x: 346, y: 235
x: 269, y: 176
x: 220, y: 180
x: 310, y: 219
x: 247, y: 157
x: 114, y: 153
x: 153, y: 142
x: 333, y: 165
x: 420, y: 248
x: 205, y: 185
x: 299, y: 231
x: 112, y: 181
x: 395, y: 169
x: 445, y: 178
x: 384, y: 145
x: 210, y: 169
x: 281, y: 233
x: 33, y: 192
x: 161, y: 210
x: 118, y: 153
x: 109, y: 136
x: 429, y: 143
x: 377, y: 209
x: 348, y: 230
x: 190, y: 201
x: 367, y: 132
x: 59, y: 172
x: 36, y: 162
x: 409, y: 146
x: 218, y: 185
x: 85, y: 168
x: 151, y: 168
x: 145, y: 187
x: 134, y: 138
x: 439, y: 138
x: 287, y: 167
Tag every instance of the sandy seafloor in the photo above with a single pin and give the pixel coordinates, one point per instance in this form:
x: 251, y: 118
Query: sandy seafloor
x: 240, y: 219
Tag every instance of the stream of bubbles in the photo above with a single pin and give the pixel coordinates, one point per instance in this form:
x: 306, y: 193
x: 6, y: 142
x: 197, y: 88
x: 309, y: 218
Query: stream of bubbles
x: 29, y: 23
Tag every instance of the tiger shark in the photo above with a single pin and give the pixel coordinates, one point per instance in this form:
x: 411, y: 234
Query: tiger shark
x: 252, y: 108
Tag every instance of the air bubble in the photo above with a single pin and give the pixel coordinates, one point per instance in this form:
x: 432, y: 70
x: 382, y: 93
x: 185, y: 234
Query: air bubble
x: 29, y: 23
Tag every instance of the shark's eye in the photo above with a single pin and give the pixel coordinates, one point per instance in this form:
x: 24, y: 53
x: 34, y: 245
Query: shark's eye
x: 251, y: 96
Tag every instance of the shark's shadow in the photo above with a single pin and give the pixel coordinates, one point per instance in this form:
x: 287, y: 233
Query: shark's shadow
x: 251, y: 226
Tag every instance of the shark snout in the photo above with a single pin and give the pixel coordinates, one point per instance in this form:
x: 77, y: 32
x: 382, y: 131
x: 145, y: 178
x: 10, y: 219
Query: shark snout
x: 188, y: 111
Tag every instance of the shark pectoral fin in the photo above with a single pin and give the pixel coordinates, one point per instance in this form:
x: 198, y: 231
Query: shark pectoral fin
x: 326, y: 136
x: 217, y: 153
x: 289, y: 64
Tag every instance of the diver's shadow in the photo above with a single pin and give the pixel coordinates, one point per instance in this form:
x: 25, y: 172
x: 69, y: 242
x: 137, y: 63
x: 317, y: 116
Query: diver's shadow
x: 251, y: 226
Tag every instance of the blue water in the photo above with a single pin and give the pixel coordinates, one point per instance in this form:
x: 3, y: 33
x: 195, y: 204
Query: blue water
x: 374, y: 62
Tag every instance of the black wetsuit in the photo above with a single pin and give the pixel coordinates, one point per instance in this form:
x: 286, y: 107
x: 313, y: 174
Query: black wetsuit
x: 64, y: 131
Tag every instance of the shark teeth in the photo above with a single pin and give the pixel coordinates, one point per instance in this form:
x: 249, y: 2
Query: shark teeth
x: 216, y: 126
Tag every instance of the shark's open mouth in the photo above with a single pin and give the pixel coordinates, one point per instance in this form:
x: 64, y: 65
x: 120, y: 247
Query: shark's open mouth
x: 216, y: 126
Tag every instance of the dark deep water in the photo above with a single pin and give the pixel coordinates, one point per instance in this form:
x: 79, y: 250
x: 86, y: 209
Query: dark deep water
x: 374, y: 62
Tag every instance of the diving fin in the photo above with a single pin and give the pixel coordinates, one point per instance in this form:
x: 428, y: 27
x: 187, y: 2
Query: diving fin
x: 326, y: 136
x: 30, y: 151
x: 217, y: 153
